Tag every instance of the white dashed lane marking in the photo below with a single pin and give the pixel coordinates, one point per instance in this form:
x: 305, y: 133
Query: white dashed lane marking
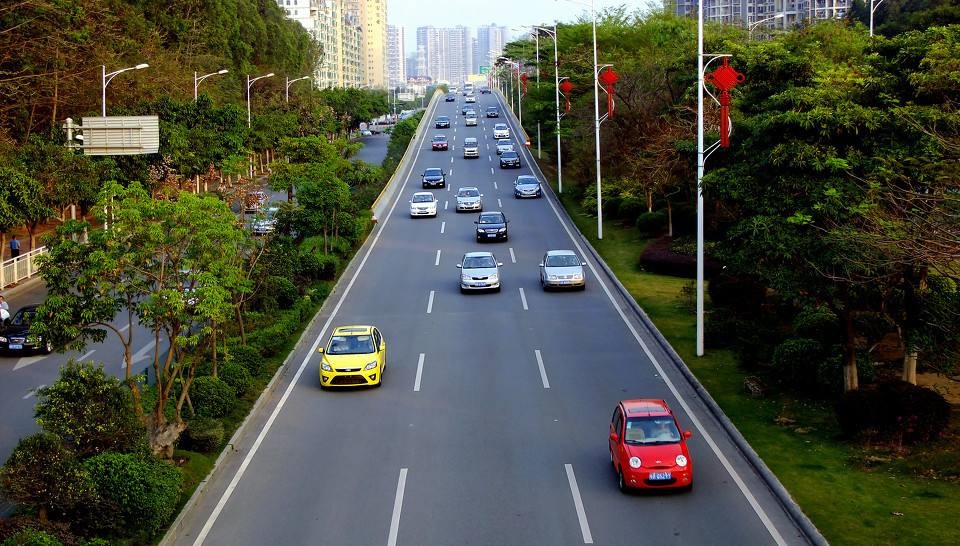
x: 438, y: 258
x: 430, y: 303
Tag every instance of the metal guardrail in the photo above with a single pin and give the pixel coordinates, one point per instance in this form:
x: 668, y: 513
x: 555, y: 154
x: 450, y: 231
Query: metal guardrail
x: 22, y: 267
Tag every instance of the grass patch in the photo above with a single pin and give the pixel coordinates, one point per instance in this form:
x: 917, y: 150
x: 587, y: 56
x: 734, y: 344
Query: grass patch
x: 855, y: 495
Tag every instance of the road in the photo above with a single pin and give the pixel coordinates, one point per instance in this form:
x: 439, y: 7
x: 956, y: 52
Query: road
x: 374, y: 149
x: 491, y: 425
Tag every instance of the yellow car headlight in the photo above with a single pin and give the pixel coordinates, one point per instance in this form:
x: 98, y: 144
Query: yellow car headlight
x: 371, y: 365
x: 325, y: 367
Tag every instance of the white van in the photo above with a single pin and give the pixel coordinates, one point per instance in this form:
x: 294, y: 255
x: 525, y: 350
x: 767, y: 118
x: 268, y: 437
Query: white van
x: 470, y: 147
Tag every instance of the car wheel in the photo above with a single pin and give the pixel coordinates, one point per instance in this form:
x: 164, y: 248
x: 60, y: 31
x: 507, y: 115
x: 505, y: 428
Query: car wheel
x: 621, y: 484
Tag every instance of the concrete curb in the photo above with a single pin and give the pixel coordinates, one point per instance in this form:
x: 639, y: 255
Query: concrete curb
x: 803, y: 523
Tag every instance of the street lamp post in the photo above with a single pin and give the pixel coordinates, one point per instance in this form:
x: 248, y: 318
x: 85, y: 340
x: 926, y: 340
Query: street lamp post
x: 196, y: 80
x: 873, y: 7
x: 287, y: 88
x: 249, y: 83
x: 556, y: 80
x: 106, y: 80
x: 755, y: 24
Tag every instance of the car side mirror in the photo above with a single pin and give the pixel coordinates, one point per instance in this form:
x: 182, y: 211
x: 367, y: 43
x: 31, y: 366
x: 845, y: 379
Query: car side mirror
x: 499, y: 264
x: 583, y: 263
x: 614, y: 437
x: 687, y: 434
x: 459, y: 266
x: 319, y: 349
x: 541, y: 264
x: 481, y: 195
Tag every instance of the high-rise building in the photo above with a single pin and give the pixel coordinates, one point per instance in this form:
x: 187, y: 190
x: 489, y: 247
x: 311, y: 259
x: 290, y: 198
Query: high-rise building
x: 445, y: 53
x: 373, y: 21
x: 396, y: 62
x: 411, y: 64
x: 490, y: 42
x: 768, y: 13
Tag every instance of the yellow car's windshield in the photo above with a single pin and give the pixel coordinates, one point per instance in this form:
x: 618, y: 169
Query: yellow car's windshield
x: 350, y: 345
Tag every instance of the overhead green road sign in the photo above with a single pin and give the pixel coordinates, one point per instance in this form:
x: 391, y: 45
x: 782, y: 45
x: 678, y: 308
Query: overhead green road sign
x: 484, y: 69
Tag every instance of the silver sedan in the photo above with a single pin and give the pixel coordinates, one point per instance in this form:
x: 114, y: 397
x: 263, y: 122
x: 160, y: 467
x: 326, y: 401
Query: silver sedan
x: 562, y: 269
x: 479, y: 271
x: 469, y: 199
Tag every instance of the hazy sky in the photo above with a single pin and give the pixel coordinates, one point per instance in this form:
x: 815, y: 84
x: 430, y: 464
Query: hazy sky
x: 411, y: 14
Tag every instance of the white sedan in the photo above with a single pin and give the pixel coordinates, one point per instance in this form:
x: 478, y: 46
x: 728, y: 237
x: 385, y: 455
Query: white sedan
x: 423, y: 203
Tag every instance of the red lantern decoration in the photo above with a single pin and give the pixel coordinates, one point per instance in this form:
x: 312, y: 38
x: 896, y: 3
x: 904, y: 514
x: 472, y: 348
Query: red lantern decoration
x: 523, y: 78
x: 725, y: 78
x: 565, y: 87
x: 609, y: 78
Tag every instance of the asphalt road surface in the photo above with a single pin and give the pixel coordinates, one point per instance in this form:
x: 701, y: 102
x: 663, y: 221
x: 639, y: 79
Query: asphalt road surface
x: 491, y: 426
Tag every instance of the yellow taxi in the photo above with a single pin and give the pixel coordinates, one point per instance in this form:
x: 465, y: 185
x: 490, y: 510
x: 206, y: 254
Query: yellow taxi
x: 354, y: 356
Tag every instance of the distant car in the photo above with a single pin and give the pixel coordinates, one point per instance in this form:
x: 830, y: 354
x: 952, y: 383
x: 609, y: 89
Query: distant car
x: 479, y: 271
x: 509, y: 160
x: 471, y: 148
x: 423, y: 203
x: 15, y: 336
x: 646, y: 447
x: 469, y: 198
x: 470, y: 98
x: 492, y: 226
x: 562, y: 269
x: 354, y: 356
x: 366, y: 132
x: 453, y: 90
x: 470, y: 121
x: 527, y: 186
x: 484, y: 90
x: 500, y: 130
x: 504, y: 145
x: 265, y: 223
x: 493, y: 112
x: 442, y: 122
x: 470, y: 113
x: 439, y: 142
x: 465, y: 108
x: 450, y: 98
x: 434, y: 178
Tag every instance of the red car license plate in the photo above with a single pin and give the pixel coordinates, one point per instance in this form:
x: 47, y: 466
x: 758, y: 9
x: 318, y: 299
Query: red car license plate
x: 661, y: 476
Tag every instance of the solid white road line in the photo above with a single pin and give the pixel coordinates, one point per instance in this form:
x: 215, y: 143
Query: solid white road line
x: 430, y: 303
x: 438, y: 258
x: 578, y: 503
x: 744, y: 490
x: 416, y: 383
x: 523, y: 300
x: 443, y: 226
x: 397, y: 507
x: 86, y: 356
x: 513, y: 257
x: 33, y: 391
x: 543, y: 371
x: 232, y: 486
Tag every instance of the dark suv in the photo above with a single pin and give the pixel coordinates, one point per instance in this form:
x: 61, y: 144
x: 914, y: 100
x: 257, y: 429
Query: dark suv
x: 492, y: 226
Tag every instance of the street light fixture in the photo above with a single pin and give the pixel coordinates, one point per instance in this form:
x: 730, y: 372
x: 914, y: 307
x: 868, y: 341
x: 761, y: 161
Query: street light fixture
x: 106, y: 80
x: 556, y: 79
x: 196, y: 80
x: 873, y: 7
x: 755, y: 24
x: 249, y: 83
x: 289, y: 81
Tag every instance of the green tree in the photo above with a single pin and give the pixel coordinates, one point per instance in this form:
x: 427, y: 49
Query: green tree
x: 43, y: 475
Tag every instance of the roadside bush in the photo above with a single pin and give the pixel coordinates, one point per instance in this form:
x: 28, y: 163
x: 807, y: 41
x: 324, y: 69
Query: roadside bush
x: 212, y: 397
x: 894, y: 410
x: 276, y: 293
x: 741, y: 293
x: 137, y: 494
x: 652, y: 224
x: 90, y: 410
x: 43, y: 475
x: 246, y: 356
x: 817, y: 323
x: 797, y: 362
x: 658, y: 257
x: 236, y: 376
x: 316, y: 266
x: 203, y: 434
x: 32, y: 537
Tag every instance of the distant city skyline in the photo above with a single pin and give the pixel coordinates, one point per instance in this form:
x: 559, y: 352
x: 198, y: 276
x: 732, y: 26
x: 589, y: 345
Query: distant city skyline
x: 512, y: 14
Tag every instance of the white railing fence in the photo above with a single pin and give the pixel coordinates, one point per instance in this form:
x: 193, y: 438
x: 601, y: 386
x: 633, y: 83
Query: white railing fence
x: 22, y: 267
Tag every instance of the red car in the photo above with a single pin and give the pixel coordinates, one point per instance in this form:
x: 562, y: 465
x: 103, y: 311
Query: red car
x: 439, y: 142
x: 647, y: 449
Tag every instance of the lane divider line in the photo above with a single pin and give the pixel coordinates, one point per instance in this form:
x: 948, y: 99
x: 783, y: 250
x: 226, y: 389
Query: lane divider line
x: 86, y: 356
x: 578, y: 504
x: 523, y: 300
x: 430, y: 303
x: 32, y: 391
x: 443, y: 226
x: 494, y: 183
x: 438, y: 258
x: 445, y: 203
x: 416, y: 383
x: 499, y: 203
x: 397, y: 507
x: 513, y: 257
x: 543, y: 370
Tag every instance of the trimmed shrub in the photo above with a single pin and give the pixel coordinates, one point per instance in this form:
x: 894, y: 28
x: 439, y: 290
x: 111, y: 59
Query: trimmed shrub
x: 246, y: 356
x: 43, y: 475
x: 138, y: 494
x: 652, y: 224
x: 212, y: 397
x: 203, y: 434
x: 658, y: 257
x: 796, y: 363
x: 279, y: 292
x: 319, y: 266
x: 895, y: 410
x: 818, y: 323
x: 32, y: 537
x: 236, y: 376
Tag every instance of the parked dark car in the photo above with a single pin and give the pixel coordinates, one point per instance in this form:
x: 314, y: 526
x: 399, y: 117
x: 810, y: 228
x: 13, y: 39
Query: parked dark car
x: 492, y: 226
x: 434, y: 178
x: 15, y: 336
x: 509, y: 159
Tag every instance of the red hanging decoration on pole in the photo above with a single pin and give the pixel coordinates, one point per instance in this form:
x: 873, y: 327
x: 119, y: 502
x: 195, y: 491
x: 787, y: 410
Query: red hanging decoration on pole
x: 609, y: 78
x: 565, y: 88
x: 725, y: 78
x: 523, y: 78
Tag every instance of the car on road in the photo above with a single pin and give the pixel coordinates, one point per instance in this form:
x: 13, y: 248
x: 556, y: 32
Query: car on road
x: 265, y: 223
x: 439, y: 142
x: 492, y: 226
x: 450, y: 98
x: 471, y: 148
x: 434, y: 178
x: 527, y: 186
x: 442, y: 122
x: 504, y: 145
x: 465, y: 108
x: 484, y: 90
x: 647, y: 449
x: 354, y: 356
x: 493, y: 112
x: 479, y: 271
x: 562, y: 269
x: 470, y: 98
x: 15, y: 336
x: 469, y: 198
x: 453, y: 90
x: 470, y: 121
x: 500, y: 130
x: 423, y: 203
x: 509, y: 160
x: 366, y: 132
